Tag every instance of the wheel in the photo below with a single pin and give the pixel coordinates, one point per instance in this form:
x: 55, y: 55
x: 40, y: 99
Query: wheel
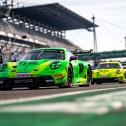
x: 69, y: 77
x: 89, y: 76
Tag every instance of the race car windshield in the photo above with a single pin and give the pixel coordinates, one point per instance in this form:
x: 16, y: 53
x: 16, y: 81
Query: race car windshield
x: 108, y: 66
x: 113, y: 65
x: 102, y: 66
x: 44, y: 54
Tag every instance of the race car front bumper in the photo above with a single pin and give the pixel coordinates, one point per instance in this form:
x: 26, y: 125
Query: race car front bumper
x: 105, y: 80
x: 26, y: 82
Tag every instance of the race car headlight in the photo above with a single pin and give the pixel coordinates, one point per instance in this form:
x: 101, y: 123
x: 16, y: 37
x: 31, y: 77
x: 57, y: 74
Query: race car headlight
x: 118, y: 72
x: 55, y: 65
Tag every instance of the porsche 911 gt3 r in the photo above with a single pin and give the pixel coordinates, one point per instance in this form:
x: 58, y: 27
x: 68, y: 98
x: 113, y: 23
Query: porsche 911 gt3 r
x: 108, y: 72
x: 45, y: 67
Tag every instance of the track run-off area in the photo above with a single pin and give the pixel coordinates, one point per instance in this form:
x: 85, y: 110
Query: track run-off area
x: 96, y: 105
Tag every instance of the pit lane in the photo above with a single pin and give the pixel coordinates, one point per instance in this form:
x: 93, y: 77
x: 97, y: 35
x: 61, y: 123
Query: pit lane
x: 17, y: 93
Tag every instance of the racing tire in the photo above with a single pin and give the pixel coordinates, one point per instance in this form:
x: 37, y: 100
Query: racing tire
x: 89, y: 77
x: 69, y: 77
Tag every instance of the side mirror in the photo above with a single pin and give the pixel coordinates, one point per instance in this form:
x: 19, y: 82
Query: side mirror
x: 73, y: 58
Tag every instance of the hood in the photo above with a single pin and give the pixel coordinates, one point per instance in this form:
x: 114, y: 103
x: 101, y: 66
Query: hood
x: 105, y: 72
x: 27, y: 66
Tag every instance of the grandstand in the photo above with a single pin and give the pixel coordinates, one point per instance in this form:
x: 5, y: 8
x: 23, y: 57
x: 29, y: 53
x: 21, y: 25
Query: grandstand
x: 38, y: 26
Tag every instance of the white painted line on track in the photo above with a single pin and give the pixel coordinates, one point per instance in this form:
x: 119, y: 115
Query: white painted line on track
x: 56, y: 107
x: 97, y: 104
x: 19, y: 100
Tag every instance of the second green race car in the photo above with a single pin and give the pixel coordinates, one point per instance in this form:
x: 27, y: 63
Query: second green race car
x: 45, y: 67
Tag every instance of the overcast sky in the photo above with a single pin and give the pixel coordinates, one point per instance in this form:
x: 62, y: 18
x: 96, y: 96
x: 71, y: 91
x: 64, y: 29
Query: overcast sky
x: 110, y: 16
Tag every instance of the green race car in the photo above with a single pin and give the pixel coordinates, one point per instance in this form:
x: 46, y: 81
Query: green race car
x: 109, y: 72
x: 45, y: 67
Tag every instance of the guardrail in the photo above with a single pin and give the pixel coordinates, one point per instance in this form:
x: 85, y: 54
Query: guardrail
x: 103, y: 55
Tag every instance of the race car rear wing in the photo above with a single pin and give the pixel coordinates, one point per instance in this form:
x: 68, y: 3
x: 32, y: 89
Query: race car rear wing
x: 83, y: 51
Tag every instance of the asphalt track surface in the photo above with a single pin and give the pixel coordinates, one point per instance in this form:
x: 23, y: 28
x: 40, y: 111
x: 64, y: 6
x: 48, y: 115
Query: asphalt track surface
x: 97, y: 105
x: 26, y: 93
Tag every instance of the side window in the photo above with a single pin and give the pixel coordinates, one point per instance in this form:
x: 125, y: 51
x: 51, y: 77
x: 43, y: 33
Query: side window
x: 68, y: 55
